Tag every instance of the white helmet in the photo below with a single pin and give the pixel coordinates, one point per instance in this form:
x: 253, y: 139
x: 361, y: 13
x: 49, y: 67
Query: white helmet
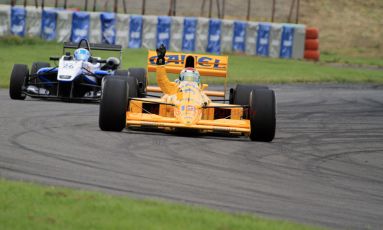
x: 190, y: 74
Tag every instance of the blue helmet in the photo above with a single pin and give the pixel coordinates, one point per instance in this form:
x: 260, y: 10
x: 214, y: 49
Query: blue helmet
x: 81, y: 54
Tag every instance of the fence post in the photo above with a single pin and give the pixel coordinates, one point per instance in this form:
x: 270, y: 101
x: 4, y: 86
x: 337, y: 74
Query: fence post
x: 223, y: 8
x: 94, y: 5
x: 42, y: 4
x: 210, y: 7
x: 170, y: 7
x: 248, y: 10
x: 143, y: 7
x: 115, y: 6
x: 297, y: 16
x: 291, y: 10
x: 106, y: 5
x: 202, y: 7
x: 65, y: 4
x: 273, y: 12
x: 86, y: 5
x: 13, y: 2
x: 218, y: 9
x: 174, y: 7
x: 124, y: 5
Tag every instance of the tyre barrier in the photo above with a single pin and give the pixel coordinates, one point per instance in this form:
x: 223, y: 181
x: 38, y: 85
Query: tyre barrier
x: 312, y: 44
x: 312, y: 33
x: 188, y: 34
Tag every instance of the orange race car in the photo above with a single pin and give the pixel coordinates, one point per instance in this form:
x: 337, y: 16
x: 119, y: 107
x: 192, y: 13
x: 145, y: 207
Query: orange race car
x: 186, y: 103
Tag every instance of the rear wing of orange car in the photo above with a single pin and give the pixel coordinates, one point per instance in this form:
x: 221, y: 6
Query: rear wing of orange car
x: 207, y: 65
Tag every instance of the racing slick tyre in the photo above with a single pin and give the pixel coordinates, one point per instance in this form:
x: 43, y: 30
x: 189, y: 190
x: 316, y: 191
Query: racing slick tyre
x: 141, y: 76
x: 113, y: 104
x: 132, y: 82
x: 262, y: 115
x: 19, y: 76
x: 38, y: 65
x: 122, y: 72
x: 242, y: 92
x: 35, y: 67
x: 133, y: 87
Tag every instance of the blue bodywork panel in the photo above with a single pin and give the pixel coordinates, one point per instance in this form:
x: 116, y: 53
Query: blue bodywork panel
x: 47, y: 69
x: 41, y: 72
x: 102, y: 72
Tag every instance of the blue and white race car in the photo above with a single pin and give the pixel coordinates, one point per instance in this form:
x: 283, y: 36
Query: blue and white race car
x: 77, y: 77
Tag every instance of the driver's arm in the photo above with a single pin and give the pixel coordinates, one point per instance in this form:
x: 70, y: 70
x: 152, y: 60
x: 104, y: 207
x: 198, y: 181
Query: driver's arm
x: 167, y: 86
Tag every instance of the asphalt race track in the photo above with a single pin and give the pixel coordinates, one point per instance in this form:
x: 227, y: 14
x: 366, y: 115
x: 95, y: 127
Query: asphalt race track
x: 325, y: 166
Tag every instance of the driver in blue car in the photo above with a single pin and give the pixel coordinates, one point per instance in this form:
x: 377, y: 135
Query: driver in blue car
x: 81, y: 54
x: 90, y: 66
x: 84, y: 55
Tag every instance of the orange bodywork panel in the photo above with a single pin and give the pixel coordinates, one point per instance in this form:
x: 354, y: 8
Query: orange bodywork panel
x: 185, y: 104
x: 153, y: 120
x: 210, y: 93
x: 207, y: 65
x: 137, y: 116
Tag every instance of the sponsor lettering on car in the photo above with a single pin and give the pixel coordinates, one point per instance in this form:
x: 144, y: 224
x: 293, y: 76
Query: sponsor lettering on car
x: 178, y: 59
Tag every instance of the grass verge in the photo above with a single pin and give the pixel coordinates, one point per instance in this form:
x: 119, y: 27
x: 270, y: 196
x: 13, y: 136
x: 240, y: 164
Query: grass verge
x: 328, y: 57
x: 242, y: 69
x: 31, y: 206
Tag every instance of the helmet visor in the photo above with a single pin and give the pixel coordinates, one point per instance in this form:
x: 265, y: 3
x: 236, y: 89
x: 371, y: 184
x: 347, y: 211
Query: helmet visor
x: 82, y: 54
x: 190, y: 76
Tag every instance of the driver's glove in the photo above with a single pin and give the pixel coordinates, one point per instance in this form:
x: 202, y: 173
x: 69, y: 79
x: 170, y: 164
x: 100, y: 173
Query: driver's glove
x: 161, y: 51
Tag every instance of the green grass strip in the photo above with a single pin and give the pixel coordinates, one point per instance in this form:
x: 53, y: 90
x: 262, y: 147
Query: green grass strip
x: 30, y: 206
x: 242, y: 69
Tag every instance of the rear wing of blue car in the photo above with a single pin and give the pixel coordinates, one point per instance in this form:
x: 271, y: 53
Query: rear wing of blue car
x: 92, y: 46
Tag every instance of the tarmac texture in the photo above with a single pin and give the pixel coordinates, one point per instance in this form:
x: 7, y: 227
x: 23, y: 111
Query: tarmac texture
x: 325, y: 166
